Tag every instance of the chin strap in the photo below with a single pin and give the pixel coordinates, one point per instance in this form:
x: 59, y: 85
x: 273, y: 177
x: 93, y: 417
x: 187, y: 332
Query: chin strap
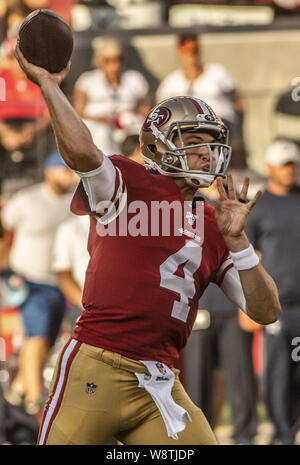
x: 202, y: 182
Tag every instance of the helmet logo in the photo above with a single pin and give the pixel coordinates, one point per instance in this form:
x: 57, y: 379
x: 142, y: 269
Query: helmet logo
x: 200, y: 117
x: 157, y: 117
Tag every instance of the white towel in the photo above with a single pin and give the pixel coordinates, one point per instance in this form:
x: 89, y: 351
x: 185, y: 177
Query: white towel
x: 159, y: 385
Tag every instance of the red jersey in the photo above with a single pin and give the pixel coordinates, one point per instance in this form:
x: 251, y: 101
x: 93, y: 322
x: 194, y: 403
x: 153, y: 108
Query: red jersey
x: 23, y: 98
x: 141, y: 292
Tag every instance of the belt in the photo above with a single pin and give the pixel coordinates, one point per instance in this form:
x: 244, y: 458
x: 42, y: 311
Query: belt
x: 114, y: 359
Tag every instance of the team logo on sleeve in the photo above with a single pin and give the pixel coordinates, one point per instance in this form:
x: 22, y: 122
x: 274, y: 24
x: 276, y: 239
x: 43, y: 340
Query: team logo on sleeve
x: 158, y: 117
x: 90, y: 388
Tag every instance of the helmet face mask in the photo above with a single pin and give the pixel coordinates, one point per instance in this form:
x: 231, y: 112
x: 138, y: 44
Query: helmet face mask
x: 219, y: 157
x: 169, y: 121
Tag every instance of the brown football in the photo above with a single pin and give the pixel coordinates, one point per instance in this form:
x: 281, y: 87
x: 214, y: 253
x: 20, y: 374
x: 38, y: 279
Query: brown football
x: 46, y: 40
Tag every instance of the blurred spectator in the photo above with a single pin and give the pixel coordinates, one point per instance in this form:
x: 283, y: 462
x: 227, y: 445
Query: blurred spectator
x: 13, y: 12
x: 224, y: 347
x: 131, y: 148
x: 3, y: 8
x: 274, y: 229
x: 70, y: 260
x: 33, y: 214
x: 211, y: 83
x: 286, y: 116
x: 23, y: 115
x: 103, y: 94
x: 64, y: 9
x: 5, y: 241
x: 36, y: 4
x: 16, y: 426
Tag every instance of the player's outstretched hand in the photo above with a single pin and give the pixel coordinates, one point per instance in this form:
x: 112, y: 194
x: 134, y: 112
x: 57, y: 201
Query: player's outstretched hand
x: 231, y: 213
x: 37, y: 74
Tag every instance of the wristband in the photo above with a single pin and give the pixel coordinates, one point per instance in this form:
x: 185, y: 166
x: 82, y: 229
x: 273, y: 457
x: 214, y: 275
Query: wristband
x: 245, y: 259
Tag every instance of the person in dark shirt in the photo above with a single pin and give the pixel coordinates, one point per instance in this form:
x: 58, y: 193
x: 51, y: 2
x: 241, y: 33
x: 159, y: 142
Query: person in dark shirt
x: 274, y: 230
x: 224, y: 345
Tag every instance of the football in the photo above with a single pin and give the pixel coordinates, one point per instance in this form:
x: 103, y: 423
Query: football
x: 46, y: 40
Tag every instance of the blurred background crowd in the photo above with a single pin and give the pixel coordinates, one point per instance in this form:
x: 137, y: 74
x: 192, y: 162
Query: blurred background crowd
x: 239, y: 56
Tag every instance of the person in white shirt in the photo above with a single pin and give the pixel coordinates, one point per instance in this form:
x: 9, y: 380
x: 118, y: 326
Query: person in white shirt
x: 102, y: 95
x: 70, y: 260
x: 33, y: 215
x: 212, y: 83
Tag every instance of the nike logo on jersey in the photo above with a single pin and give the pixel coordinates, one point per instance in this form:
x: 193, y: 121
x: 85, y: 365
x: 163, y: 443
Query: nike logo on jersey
x: 190, y: 234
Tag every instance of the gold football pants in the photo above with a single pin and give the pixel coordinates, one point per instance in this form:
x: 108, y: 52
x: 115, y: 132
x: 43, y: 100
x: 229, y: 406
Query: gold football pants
x: 94, y: 395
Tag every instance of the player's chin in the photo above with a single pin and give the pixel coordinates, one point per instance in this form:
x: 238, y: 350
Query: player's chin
x: 203, y: 169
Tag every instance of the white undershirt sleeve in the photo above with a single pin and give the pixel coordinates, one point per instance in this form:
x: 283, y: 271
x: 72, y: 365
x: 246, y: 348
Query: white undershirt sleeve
x: 232, y: 288
x: 99, y: 184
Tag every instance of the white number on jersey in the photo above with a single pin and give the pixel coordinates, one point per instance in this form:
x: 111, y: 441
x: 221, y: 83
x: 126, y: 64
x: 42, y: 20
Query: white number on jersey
x: 190, y: 255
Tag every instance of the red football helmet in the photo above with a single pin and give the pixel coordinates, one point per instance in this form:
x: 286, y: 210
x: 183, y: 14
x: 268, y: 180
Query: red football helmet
x: 169, y: 119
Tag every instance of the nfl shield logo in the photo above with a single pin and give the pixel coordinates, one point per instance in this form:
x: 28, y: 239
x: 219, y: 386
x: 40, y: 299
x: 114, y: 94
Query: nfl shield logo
x: 161, y: 368
x: 191, y: 218
x: 90, y: 389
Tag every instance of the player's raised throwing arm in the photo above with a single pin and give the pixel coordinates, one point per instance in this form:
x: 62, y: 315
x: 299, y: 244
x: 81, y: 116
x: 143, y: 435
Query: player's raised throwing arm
x: 73, y: 138
x: 260, y: 291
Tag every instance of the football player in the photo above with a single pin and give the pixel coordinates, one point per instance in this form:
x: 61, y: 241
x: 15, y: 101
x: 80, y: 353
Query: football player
x: 116, y: 375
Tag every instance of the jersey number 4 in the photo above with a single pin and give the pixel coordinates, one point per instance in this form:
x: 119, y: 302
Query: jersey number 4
x: 190, y: 256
